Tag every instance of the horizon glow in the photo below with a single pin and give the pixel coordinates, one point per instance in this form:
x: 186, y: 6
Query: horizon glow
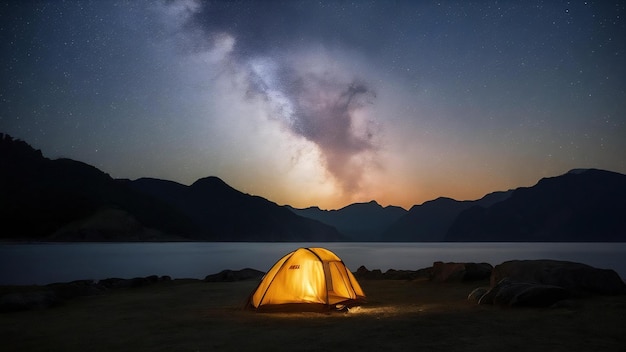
x: 321, y: 103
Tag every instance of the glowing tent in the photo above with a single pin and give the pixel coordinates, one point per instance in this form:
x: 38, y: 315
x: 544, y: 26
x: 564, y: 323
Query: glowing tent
x: 307, y: 279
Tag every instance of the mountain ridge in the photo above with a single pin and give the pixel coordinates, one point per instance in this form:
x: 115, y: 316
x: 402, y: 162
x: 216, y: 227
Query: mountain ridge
x: 579, y: 206
x: 68, y: 200
x: 359, y: 221
x: 429, y: 221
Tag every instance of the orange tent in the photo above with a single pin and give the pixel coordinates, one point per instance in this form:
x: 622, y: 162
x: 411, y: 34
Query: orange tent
x: 307, y: 279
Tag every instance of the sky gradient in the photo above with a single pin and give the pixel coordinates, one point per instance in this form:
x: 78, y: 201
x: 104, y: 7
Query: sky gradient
x: 321, y: 103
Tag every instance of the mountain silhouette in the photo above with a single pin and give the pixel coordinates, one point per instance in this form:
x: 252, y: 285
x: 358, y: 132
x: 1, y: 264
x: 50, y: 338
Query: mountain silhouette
x: 582, y: 205
x: 358, y: 221
x: 39, y: 196
x: 67, y: 200
x: 226, y: 214
x: 430, y: 221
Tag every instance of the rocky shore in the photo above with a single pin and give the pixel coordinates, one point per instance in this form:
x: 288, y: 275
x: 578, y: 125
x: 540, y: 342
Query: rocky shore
x: 532, y: 283
x: 537, y: 283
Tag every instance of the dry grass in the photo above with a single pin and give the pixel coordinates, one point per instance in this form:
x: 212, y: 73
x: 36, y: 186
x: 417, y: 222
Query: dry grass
x: 400, y: 316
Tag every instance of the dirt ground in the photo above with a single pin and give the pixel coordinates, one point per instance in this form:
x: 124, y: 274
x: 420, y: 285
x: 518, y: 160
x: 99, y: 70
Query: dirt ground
x: 399, y: 316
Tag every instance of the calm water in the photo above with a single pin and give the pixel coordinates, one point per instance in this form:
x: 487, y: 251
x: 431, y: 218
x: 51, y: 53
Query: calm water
x: 47, y: 263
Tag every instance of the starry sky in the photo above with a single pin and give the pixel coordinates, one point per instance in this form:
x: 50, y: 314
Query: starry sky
x: 321, y: 103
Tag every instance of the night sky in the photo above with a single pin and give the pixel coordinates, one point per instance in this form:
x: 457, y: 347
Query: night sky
x: 321, y: 102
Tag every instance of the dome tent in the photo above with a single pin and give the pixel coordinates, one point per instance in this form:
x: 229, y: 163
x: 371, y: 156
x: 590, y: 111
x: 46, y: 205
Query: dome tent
x: 307, y: 279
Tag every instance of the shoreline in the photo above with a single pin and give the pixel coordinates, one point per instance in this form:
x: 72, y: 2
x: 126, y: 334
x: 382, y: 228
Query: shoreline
x: 37, y: 263
x: 570, y: 278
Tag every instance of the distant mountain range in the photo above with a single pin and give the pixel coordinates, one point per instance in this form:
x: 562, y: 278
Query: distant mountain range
x: 67, y: 200
x: 222, y: 213
x: 580, y: 206
x: 358, y: 221
x: 430, y: 221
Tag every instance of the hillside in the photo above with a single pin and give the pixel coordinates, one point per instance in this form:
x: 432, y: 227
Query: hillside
x: 580, y: 206
x: 430, y: 221
x: 67, y: 200
x: 358, y: 221
x: 225, y: 214
x: 43, y: 199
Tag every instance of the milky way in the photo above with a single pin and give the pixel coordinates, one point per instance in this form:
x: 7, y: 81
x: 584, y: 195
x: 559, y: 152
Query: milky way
x: 321, y: 103
x: 323, y: 109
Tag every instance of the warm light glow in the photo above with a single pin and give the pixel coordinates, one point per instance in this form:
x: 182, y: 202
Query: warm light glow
x: 307, y: 275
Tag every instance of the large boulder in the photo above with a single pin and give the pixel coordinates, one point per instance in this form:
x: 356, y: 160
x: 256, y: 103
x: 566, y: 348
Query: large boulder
x: 477, y: 271
x: 523, y: 294
x: 578, y: 279
x: 448, y: 272
x: 477, y: 294
x: 363, y: 273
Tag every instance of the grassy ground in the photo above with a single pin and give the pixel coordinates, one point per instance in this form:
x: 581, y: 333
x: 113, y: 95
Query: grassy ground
x: 400, y: 316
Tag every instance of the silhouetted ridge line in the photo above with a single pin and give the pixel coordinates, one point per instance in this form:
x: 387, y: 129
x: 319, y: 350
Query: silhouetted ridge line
x: 68, y: 200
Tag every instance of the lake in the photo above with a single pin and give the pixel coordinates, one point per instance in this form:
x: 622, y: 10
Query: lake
x: 43, y: 263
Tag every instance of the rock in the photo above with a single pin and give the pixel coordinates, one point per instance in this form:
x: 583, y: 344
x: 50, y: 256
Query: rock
x: 523, y: 294
x: 539, y: 296
x: 153, y: 279
x: 362, y: 273
x: 490, y: 295
x: 477, y: 271
x: 235, y: 275
x: 140, y: 282
x: 448, y: 272
x: 578, y: 279
x: 445, y: 272
x: 376, y: 274
x: 424, y: 273
x: 477, y: 294
x: 507, y: 291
